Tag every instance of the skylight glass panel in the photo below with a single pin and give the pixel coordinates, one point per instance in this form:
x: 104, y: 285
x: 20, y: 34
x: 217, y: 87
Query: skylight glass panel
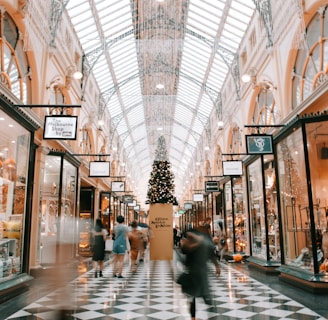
x: 75, y: 9
x: 176, y: 154
x: 135, y: 117
x: 122, y: 128
x: 82, y: 16
x: 233, y: 21
x: 191, y: 141
x: 229, y: 43
x: 139, y: 135
x: 206, y: 106
x: 193, y: 92
x: 246, y: 7
x: 180, y: 134
x: 198, y: 126
x: 113, y: 31
x: 130, y: 90
x: 114, y: 107
x: 201, y: 22
x: 84, y: 27
x: 129, y: 53
x: 237, y: 32
x: 183, y: 115
x: 194, y: 57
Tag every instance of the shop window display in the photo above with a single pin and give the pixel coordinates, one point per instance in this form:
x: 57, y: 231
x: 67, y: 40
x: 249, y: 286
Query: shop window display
x: 257, y: 214
x: 57, y: 221
x: 228, y: 212
x: 239, y: 216
x: 304, y: 218
x: 263, y: 210
x: 272, y: 209
x: 14, y: 155
x: 235, y: 217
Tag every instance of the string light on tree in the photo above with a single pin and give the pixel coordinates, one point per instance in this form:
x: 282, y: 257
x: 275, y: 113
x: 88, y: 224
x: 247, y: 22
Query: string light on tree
x: 161, y: 183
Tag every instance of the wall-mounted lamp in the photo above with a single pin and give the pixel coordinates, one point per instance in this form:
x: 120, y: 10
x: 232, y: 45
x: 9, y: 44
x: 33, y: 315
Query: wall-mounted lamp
x: 250, y: 76
x: 101, y: 122
x: 72, y: 72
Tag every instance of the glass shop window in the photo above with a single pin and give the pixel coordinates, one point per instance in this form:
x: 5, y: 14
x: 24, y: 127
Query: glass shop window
x: 310, y: 66
x: 317, y: 144
x: 228, y: 208
x: 294, y: 201
x: 14, y: 155
x: 257, y: 214
x: 57, y: 208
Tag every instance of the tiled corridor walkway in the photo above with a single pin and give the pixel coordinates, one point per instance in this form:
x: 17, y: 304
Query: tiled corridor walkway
x: 151, y: 293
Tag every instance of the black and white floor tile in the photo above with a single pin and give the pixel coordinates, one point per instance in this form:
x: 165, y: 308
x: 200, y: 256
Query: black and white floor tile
x: 151, y: 293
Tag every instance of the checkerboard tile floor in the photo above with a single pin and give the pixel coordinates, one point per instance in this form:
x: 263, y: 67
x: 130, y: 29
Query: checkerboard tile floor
x: 151, y: 293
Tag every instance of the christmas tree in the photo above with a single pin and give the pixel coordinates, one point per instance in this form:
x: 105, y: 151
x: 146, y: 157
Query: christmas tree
x: 161, y: 183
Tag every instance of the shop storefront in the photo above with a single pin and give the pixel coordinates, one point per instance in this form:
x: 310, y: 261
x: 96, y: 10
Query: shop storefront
x: 16, y: 174
x: 263, y: 213
x: 234, y: 216
x: 57, y: 219
x: 302, y: 167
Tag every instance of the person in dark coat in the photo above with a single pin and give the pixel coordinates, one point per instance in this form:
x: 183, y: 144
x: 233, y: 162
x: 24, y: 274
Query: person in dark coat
x: 198, y: 249
x: 99, y: 239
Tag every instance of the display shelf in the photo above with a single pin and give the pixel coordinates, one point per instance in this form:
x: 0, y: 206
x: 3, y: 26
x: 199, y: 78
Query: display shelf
x: 8, y: 262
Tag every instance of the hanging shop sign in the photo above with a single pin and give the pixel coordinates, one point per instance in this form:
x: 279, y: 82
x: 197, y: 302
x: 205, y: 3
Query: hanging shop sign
x: 132, y: 203
x: 60, y: 127
x: 128, y: 198
x: 259, y: 144
x: 187, y: 206
x: 232, y: 168
x: 118, y: 186
x: 212, y: 186
x: 198, y: 197
x: 99, y: 169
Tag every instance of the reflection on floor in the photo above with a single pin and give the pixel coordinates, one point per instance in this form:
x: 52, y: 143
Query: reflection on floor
x: 151, y: 293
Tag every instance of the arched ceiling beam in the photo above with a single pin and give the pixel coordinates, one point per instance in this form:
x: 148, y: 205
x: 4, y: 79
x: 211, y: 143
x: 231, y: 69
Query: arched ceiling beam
x: 56, y: 12
x: 264, y: 9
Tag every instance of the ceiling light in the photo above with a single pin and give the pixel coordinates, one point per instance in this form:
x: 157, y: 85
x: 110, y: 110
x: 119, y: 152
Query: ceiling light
x: 207, y: 148
x: 160, y: 86
x: 220, y: 123
x: 159, y: 129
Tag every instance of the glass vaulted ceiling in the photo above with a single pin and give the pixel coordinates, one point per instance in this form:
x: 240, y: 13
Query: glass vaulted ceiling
x: 135, y: 45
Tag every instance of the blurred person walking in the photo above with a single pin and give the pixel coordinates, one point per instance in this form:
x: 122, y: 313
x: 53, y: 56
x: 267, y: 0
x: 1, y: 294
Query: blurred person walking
x: 120, y: 246
x: 99, y: 239
x: 136, y: 241
x: 198, y: 250
x: 222, y: 240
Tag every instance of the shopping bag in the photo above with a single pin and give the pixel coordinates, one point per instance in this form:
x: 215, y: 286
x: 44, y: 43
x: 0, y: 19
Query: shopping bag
x: 109, y: 245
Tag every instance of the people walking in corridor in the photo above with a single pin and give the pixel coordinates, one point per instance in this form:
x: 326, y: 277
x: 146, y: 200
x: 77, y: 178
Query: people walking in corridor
x: 198, y: 248
x: 98, y: 256
x: 136, y: 241
x: 120, y: 246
